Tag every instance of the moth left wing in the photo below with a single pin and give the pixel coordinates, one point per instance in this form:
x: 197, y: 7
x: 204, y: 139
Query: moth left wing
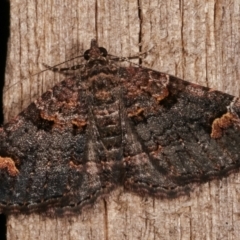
x: 43, y: 159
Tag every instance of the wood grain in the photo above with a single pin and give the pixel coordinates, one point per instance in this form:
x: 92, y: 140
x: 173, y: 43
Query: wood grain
x: 197, y: 41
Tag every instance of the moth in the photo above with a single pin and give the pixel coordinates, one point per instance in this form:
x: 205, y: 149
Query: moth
x: 110, y: 126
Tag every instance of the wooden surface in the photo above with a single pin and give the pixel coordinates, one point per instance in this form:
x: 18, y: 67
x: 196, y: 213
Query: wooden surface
x: 194, y: 40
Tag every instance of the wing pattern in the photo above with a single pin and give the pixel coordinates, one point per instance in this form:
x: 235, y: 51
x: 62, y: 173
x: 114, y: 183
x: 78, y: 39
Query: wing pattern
x: 110, y: 126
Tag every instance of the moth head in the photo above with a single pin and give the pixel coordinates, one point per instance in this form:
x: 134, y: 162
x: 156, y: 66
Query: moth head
x: 95, y: 52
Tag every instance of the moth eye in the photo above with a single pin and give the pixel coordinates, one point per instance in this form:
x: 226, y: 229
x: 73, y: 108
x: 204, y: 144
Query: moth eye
x: 103, y: 51
x: 86, y: 54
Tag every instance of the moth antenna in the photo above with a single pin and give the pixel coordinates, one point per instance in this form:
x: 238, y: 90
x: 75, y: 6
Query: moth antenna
x: 43, y: 71
x: 50, y: 67
x: 127, y: 59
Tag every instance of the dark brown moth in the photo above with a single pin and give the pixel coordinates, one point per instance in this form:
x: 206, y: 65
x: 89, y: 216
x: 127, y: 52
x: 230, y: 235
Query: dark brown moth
x: 113, y: 126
